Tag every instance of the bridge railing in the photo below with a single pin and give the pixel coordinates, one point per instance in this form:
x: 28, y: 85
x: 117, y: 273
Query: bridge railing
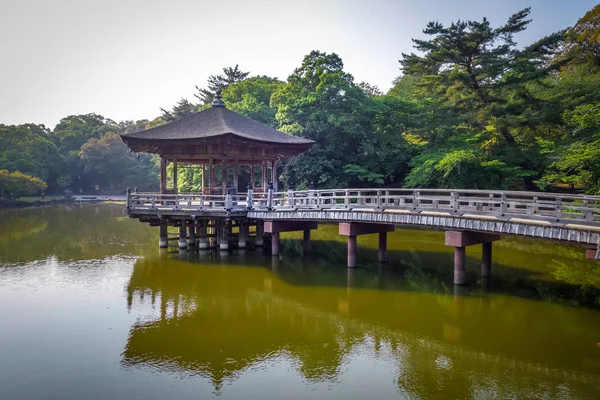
x: 502, y: 204
x: 508, y: 204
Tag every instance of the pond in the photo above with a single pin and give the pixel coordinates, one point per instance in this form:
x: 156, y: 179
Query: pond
x: 90, y: 308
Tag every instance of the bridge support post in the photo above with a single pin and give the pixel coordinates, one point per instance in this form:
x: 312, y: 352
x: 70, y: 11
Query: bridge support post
x: 259, y: 234
x: 460, y: 272
x: 460, y: 240
x: 182, y: 235
x: 192, y: 235
x: 224, y: 236
x: 486, y: 259
x: 276, y: 227
x: 243, y: 236
x: 382, y: 251
x: 275, y: 244
x: 202, y: 239
x: 353, y: 229
x: 351, y: 251
x: 163, y: 236
x: 306, y: 241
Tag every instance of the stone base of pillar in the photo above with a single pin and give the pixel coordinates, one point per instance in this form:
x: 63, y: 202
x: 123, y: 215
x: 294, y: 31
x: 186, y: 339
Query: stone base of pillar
x: 182, y: 242
x: 163, y: 236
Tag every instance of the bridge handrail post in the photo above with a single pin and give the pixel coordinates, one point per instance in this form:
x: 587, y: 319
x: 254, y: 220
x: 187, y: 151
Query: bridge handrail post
x: 454, y: 203
x: 228, y: 202
x: 128, y: 199
x: 415, y: 199
x: 558, y: 209
x: 311, y: 194
x: 290, y: 199
x: 270, y: 197
x: 502, y: 204
x: 250, y: 197
x: 587, y: 214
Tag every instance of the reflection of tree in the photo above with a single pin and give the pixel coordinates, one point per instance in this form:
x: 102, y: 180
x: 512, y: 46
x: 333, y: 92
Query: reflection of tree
x: 228, y: 325
x: 17, y: 228
x: 74, y: 232
x: 218, y: 321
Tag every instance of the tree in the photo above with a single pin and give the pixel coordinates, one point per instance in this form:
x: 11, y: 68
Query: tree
x: 28, y: 148
x: 321, y: 102
x: 370, y: 90
x: 477, y: 73
x: 183, y: 108
x: 17, y: 184
x: 252, y: 97
x: 109, y: 163
x: 582, y: 42
x: 215, y: 82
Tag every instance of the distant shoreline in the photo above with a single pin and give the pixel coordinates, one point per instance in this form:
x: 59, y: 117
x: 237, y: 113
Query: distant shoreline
x: 82, y: 199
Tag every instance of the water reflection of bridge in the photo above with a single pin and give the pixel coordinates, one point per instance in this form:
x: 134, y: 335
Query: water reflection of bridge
x: 218, y: 326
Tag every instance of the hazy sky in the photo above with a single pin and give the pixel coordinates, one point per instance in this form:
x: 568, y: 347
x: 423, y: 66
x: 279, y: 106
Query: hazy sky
x: 125, y: 59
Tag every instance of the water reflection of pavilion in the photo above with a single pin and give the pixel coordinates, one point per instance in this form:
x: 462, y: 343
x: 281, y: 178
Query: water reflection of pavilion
x: 219, y: 322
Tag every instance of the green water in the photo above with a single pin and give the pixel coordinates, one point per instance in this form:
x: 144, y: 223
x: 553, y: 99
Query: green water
x: 91, y: 309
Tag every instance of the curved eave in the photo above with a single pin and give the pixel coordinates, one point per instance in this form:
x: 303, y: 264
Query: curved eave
x: 143, y: 145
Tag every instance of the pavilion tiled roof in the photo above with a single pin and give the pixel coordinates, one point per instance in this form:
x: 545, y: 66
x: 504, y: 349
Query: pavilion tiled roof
x: 217, y: 121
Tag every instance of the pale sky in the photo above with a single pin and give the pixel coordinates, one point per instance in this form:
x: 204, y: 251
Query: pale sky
x: 124, y: 59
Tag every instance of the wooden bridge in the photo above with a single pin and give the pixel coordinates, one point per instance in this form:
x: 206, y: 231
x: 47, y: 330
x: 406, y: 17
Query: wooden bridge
x: 469, y: 217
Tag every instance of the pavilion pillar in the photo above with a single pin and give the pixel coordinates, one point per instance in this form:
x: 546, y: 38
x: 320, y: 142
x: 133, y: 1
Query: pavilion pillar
x: 182, y: 236
x: 274, y: 177
x: 203, y: 178
x: 224, y: 177
x: 163, y: 236
x: 163, y: 175
x: 175, y: 176
x: 263, y: 176
x: 236, y: 171
x: 211, y: 181
x: 259, y: 234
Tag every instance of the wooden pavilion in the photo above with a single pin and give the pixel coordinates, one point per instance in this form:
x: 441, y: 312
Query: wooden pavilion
x: 234, y: 151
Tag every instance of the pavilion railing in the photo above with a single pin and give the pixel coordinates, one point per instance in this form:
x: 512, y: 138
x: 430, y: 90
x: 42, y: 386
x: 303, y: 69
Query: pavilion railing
x: 555, y: 207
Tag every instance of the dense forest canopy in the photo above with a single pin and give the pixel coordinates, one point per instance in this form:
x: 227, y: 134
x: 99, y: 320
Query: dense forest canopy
x: 470, y: 109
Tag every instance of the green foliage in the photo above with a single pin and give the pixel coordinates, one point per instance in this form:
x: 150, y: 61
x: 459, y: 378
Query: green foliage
x: 252, y: 97
x: 222, y: 82
x: 29, y: 148
x: 17, y: 184
x: 109, y: 163
x: 183, y: 108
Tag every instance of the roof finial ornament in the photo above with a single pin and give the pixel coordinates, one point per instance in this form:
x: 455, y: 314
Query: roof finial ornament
x: 217, y: 102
